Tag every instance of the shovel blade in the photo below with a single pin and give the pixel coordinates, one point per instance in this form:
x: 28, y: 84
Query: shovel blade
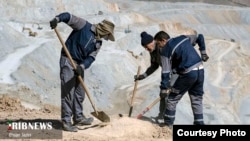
x: 101, y: 116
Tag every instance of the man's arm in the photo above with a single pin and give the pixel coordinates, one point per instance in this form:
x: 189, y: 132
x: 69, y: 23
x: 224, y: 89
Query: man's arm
x: 73, y: 21
x: 153, y: 67
x: 199, y: 39
x: 165, y: 75
x: 91, y: 58
x: 202, y: 47
x: 201, y: 43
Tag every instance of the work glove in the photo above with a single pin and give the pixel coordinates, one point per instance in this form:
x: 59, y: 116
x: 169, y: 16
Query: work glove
x: 53, y: 23
x: 79, y: 70
x: 165, y: 92
x: 140, y: 77
x: 204, y: 57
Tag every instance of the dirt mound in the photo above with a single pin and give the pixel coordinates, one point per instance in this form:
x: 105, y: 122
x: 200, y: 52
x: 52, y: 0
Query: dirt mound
x: 121, y: 129
x: 12, y: 108
x: 10, y: 104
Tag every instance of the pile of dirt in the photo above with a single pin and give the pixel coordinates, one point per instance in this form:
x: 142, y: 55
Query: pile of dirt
x: 10, y: 104
x: 122, y: 129
x: 12, y: 108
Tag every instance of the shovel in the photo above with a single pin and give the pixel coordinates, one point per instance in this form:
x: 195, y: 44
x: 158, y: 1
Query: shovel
x: 98, y: 114
x: 148, y: 108
x: 133, y: 95
x: 151, y: 105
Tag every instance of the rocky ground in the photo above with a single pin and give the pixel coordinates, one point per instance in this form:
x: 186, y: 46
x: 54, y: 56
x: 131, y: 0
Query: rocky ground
x: 29, y: 74
x: 121, y: 128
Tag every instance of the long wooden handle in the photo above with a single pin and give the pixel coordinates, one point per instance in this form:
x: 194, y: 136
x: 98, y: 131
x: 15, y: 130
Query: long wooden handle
x: 149, y: 107
x: 135, y: 86
x: 133, y: 95
x: 74, y: 66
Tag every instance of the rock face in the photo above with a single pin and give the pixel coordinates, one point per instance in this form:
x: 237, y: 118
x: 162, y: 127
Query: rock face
x: 243, y: 2
x: 221, y: 2
x: 33, y: 61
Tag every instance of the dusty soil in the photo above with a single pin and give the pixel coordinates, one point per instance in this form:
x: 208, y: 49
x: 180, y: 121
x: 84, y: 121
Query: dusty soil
x: 121, y: 128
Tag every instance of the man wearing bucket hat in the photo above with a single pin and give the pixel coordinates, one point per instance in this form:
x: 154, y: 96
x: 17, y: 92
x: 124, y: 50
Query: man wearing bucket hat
x: 83, y: 43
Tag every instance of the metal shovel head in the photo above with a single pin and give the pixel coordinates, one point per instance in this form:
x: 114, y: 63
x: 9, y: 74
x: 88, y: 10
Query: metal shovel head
x: 101, y: 116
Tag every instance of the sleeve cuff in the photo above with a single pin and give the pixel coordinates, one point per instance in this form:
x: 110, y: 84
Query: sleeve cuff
x: 58, y: 19
x: 165, y: 90
x: 203, y: 52
x: 145, y: 75
x: 83, y: 67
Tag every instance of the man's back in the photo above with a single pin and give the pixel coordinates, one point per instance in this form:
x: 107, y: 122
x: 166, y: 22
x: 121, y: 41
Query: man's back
x: 181, y: 53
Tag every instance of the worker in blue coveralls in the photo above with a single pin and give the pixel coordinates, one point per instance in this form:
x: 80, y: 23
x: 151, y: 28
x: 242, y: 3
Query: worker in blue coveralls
x: 178, y: 56
x: 83, y: 44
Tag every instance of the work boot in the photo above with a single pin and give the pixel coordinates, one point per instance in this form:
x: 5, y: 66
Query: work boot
x: 84, y: 121
x: 67, y: 126
x: 159, y: 117
x: 166, y: 125
x: 199, y: 123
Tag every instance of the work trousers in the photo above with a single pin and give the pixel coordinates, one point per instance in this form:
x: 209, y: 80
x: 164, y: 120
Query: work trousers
x: 163, y: 101
x: 162, y: 106
x: 191, y: 82
x: 72, y: 92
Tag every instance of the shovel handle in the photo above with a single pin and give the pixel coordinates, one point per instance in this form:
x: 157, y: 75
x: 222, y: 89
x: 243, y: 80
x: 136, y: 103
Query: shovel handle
x: 135, y: 86
x: 133, y: 95
x: 74, y: 66
x: 149, y: 107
